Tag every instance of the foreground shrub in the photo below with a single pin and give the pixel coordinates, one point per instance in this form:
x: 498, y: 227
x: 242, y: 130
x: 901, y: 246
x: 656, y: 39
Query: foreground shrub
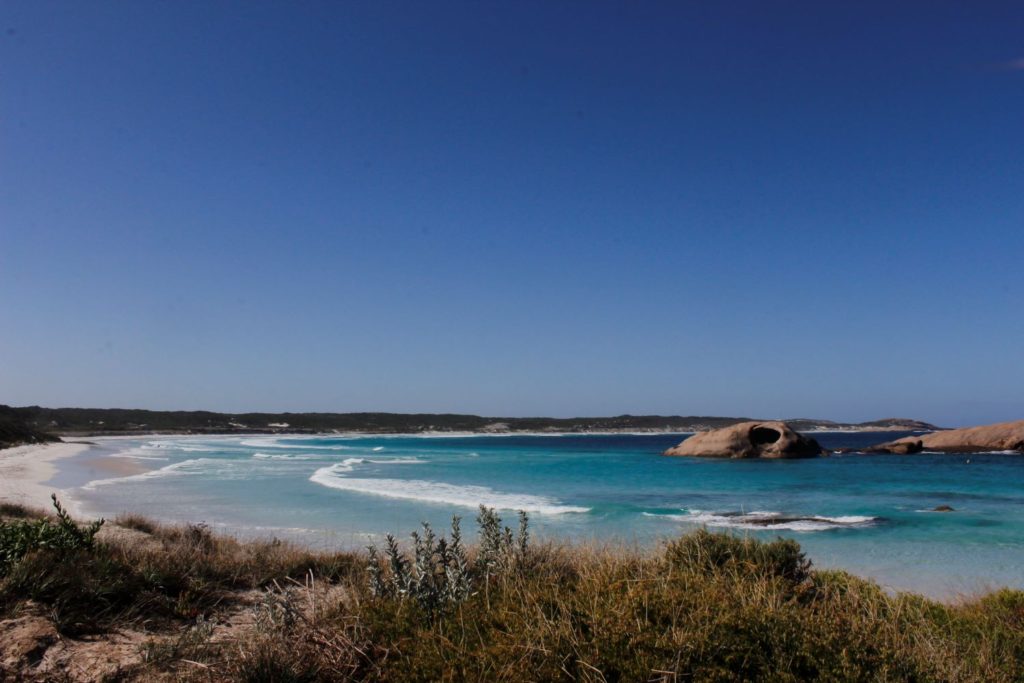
x: 86, y: 591
x: 703, y: 551
x: 20, y: 537
x: 438, y: 575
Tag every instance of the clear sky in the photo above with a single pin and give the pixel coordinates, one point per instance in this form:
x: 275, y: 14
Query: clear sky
x: 526, y: 208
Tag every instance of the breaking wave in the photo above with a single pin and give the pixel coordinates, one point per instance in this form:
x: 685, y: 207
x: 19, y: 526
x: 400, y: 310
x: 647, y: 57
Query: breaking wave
x: 174, y: 446
x: 177, y: 469
x: 275, y: 443
x: 424, y: 491
x: 769, y: 520
x: 284, y: 456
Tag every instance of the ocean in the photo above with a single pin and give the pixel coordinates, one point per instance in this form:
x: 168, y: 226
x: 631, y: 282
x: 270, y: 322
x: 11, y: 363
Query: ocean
x: 870, y: 514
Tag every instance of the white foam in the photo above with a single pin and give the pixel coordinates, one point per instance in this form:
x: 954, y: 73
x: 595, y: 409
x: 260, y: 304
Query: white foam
x: 348, y: 464
x: 139, y: 454
x: 377, y: 449
x: 762, y: 520
x: 275, y: 443
x: 436, y: 492
x: 178, y: 468
x: 136, y: 456
x: 345, y: 465
x: 284, y: 456
x: 171, y: 445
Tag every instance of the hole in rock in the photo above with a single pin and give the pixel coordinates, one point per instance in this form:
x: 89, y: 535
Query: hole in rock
x: 764, y: 435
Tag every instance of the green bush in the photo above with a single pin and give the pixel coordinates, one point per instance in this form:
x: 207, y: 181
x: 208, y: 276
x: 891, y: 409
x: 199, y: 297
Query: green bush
x: 438, y: 575
x: 20, y: 537
x: 703, y: 551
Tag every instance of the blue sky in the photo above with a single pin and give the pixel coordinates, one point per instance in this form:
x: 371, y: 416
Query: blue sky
x: 579, y: 208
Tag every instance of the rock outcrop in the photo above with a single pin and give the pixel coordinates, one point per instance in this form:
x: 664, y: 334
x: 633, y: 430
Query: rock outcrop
x: 902, y: 447
x: 1005, y: 436
x: 749, y: 440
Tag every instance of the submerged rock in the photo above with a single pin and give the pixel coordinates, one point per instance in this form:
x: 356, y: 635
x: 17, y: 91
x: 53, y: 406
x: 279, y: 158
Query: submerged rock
x: 749, y: 440
x: 1004, y: 436
x: 943, y: 508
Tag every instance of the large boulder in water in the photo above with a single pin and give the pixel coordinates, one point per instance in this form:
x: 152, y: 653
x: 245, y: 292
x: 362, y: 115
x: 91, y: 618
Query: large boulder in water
x: 749, y: 440
x: 1005, y: 436
x: 902, y: 447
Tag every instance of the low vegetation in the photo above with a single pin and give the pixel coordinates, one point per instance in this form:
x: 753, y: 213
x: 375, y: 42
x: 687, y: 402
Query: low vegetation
x: 59, y: 537
x: 132, y: 421
x: 17, y: 428
x: 180, y: 603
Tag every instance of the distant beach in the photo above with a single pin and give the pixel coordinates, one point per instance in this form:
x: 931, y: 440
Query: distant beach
x: 25, y: 471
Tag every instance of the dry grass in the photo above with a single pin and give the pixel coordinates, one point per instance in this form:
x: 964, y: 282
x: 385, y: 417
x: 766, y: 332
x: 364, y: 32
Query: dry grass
x: 137, y: 523
x: 704, y: 607
x: 17, y: 511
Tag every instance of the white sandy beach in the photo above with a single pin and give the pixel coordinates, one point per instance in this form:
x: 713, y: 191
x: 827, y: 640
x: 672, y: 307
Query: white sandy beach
x: 24, y: 471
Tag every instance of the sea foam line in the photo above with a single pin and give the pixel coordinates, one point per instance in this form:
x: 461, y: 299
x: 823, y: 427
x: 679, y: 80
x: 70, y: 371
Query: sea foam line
x: 275, y: 443
x: 178, y: 468
x: 759, y: 519
x: 284, y: 456
x: 177, y: 446
x: 435, y: 492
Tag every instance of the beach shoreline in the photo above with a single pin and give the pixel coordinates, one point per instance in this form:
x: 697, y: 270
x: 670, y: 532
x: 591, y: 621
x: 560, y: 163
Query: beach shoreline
x: 25, y: 471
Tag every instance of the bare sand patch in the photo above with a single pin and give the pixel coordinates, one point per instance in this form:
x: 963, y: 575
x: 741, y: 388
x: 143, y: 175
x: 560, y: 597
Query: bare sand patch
x: 24, y: 471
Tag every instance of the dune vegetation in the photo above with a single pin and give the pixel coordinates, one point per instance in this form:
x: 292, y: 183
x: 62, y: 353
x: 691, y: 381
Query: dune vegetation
x: 112, y: 421
x: 136, y: 600
x: 15, y: 430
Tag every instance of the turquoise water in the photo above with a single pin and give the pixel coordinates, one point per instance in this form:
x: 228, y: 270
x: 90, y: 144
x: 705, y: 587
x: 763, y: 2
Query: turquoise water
x: 869, y: 514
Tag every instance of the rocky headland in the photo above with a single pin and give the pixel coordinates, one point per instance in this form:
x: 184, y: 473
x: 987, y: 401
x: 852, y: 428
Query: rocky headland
x: 1003, y: 436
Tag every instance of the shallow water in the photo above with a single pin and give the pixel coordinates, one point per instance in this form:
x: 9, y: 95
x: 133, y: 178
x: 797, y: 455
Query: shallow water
x: 869, y: 514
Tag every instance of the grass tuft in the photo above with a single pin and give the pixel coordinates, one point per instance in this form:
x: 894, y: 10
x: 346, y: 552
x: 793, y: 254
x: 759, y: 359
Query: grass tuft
x: 16, y: 511
x: 137, y: 522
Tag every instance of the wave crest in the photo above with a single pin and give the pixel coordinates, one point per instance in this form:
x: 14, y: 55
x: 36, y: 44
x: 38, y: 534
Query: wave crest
x: 758, y: 519
x: 435, y: 492
x: 175, y: 446
x: 270, y: 442
x: 283, y: 456
x: 176, y: 469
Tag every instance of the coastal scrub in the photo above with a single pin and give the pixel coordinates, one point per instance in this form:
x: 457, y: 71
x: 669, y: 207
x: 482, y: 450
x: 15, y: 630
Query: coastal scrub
x: 181, y: 603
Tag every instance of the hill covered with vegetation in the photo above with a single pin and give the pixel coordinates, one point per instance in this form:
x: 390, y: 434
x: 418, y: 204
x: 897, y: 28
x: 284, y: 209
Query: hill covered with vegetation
x: 16, y: 429
x: 126, y: 421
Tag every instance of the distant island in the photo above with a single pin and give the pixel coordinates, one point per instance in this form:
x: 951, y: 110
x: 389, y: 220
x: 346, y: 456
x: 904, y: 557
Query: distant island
x: 31, y: 423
